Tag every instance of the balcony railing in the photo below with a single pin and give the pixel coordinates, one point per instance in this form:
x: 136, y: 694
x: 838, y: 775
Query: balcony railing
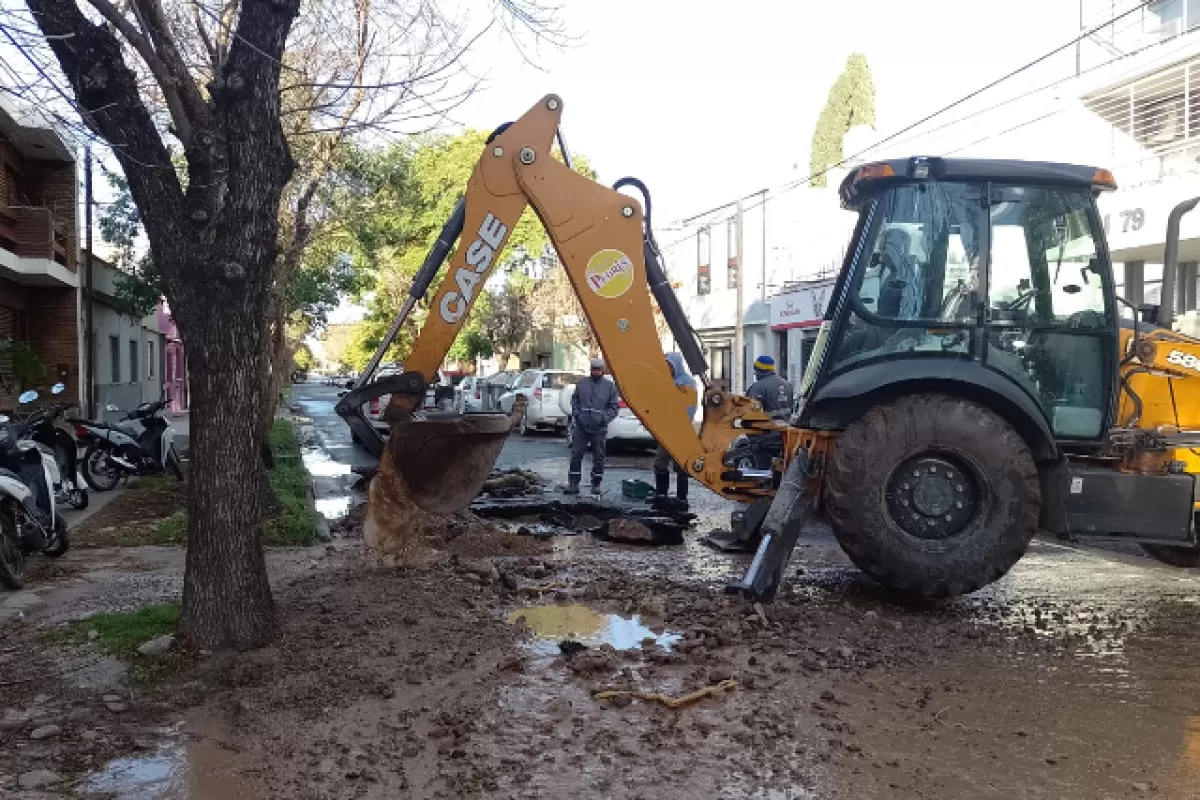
x: 33, y: 232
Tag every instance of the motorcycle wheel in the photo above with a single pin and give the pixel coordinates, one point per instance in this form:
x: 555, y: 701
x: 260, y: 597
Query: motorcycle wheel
x: 97, y: 473
x: 174, y: 465
x: 12, y: 557
x: 77, y: 497
x: 61, y: 542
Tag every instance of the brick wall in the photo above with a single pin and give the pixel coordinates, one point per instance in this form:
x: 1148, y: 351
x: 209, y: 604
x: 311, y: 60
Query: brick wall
x: 53, y: 186
x: 54, y: 335
x: 46, y: 184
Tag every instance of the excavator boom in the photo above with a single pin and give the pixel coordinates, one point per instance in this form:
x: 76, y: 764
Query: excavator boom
x: 604, y: 242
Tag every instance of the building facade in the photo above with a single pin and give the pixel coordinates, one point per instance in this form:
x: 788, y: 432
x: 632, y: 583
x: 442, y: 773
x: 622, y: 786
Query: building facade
x: 39, y: 280
x: 129, y: 356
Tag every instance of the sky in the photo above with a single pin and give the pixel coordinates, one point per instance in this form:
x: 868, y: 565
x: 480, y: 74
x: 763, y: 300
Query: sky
x: 706, y: 101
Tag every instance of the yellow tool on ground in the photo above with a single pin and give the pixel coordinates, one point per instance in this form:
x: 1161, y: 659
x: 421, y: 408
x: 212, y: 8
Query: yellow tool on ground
x: 973, y: 378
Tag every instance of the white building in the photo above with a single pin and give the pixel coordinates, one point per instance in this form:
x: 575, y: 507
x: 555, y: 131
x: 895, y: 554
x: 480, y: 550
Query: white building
x: 1128, y: 101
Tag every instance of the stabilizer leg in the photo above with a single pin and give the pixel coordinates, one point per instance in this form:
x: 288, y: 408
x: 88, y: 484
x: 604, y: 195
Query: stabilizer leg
x: 791, y: 509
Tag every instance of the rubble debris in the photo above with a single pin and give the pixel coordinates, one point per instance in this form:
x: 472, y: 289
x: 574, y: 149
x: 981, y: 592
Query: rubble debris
x: 626, y: 530
x: 666, y: 700
x: 514, y: 482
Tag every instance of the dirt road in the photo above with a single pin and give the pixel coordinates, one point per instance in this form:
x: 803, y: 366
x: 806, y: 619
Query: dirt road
x: 1071, y: 678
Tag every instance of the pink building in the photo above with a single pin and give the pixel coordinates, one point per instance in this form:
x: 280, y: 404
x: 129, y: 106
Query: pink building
x: 175, y: 362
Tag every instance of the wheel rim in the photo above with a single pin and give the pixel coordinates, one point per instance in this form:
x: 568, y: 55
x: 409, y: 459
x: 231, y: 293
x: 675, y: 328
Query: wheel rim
x: 10, y: 551
x: 933, y: 496
x: 100, y: 469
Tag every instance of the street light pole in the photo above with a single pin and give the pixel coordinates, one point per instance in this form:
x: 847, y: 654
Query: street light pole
x: 89, y: 368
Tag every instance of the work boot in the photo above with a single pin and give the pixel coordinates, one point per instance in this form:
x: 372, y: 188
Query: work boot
x: 681, y: 492
x: 572, y: 488
x: 662, y: 488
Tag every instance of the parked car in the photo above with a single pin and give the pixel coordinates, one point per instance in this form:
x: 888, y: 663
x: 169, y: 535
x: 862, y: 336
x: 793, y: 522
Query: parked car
x: 541, y: 388
x: 375, y: 408
x: 468, y: 395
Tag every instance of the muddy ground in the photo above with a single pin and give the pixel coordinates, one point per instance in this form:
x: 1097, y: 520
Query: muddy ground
x: 1071, y: 678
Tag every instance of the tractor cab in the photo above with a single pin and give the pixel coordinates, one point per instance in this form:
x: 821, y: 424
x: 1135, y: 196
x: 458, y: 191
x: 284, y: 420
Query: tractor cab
x: 984, y: 279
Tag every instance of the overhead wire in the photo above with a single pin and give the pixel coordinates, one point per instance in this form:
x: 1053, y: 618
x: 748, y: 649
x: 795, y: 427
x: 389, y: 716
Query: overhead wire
x: 787, y: 187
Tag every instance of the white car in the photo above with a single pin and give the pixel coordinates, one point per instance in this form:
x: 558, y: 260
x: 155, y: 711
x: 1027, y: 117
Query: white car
x: 468, y: 395
x: 375, y: 408
x: 541, y: 388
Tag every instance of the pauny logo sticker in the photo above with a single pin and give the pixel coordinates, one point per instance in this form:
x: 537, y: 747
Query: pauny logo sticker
x: 609, y: 273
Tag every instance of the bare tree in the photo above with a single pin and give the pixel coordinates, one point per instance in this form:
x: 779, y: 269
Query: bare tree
x: 255, y: 99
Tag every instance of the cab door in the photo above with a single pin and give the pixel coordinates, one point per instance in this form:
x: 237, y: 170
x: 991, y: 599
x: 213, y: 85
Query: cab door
x: 1051, y: 321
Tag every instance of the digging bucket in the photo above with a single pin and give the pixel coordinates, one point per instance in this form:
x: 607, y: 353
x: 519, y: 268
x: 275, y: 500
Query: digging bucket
x: 443, y: 459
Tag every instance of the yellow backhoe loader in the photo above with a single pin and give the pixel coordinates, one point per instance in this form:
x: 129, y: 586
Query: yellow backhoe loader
x: 972, y: 381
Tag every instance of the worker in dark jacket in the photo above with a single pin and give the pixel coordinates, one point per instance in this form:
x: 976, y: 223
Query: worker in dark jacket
x: 594, y: 404
x: 772, y: 391
x: 775, y: 394
x: 662, y: 459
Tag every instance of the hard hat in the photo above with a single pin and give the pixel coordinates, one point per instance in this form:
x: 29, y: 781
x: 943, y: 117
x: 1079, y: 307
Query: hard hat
x: 764, y: 364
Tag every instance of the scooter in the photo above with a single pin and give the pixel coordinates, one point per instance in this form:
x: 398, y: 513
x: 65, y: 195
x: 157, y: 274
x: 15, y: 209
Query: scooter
x: 140, y: 443
x: 29, y: 521
x: 53, y: 439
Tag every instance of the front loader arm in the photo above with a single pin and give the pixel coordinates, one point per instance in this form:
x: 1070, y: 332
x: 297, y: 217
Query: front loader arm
x: 598, y: 233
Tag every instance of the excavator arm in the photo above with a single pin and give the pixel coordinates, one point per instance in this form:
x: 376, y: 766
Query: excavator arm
x: 604, y: 243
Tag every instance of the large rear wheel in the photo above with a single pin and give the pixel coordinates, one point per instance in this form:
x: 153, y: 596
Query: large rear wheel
x: 933, y: 495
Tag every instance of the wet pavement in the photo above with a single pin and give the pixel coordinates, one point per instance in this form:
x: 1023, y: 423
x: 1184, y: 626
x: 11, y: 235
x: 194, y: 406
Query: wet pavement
x: 1072, y: 677
x: 1123, y: 623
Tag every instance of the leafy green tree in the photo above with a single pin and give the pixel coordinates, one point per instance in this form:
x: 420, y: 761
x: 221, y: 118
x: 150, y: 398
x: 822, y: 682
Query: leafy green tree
x: 24, y: 365
x: 851, y: 102
x: 405, y: 194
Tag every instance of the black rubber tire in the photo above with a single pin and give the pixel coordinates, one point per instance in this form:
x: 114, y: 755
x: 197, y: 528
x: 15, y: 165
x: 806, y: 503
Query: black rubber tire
x: 1176, y: 556
x: 174, y: 465
x: 992, y: 540
x: 12, y: 557
x: 96, y: 484
x: 62, y: 539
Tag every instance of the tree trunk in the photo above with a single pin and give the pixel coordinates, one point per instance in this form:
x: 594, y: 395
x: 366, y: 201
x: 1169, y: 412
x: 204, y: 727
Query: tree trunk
x: 226, y: 595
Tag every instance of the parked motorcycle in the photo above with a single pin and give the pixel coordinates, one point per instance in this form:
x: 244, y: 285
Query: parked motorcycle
x: 29, y: 521
x: 61, y: 445
x: 140, y: 443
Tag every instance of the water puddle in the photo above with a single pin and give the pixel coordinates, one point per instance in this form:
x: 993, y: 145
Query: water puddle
x: 320, y: 465
x: 332, y: 508
x: 181, y: 768
x: 552, y: 624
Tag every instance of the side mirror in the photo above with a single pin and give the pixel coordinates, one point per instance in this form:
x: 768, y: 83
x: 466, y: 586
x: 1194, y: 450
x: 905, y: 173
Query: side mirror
x: 1148, y: 312
x: 57, y: 388
x: 28, y: 396
x: 111, y: 407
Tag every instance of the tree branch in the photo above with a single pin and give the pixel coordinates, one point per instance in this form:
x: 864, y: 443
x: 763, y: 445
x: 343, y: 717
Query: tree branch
x: 162, y: 74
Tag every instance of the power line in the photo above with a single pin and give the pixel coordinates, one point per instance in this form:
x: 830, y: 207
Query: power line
x: 969, y: 96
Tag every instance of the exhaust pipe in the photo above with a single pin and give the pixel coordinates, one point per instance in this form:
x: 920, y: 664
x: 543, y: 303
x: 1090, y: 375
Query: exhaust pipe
x: 1166, y: 307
